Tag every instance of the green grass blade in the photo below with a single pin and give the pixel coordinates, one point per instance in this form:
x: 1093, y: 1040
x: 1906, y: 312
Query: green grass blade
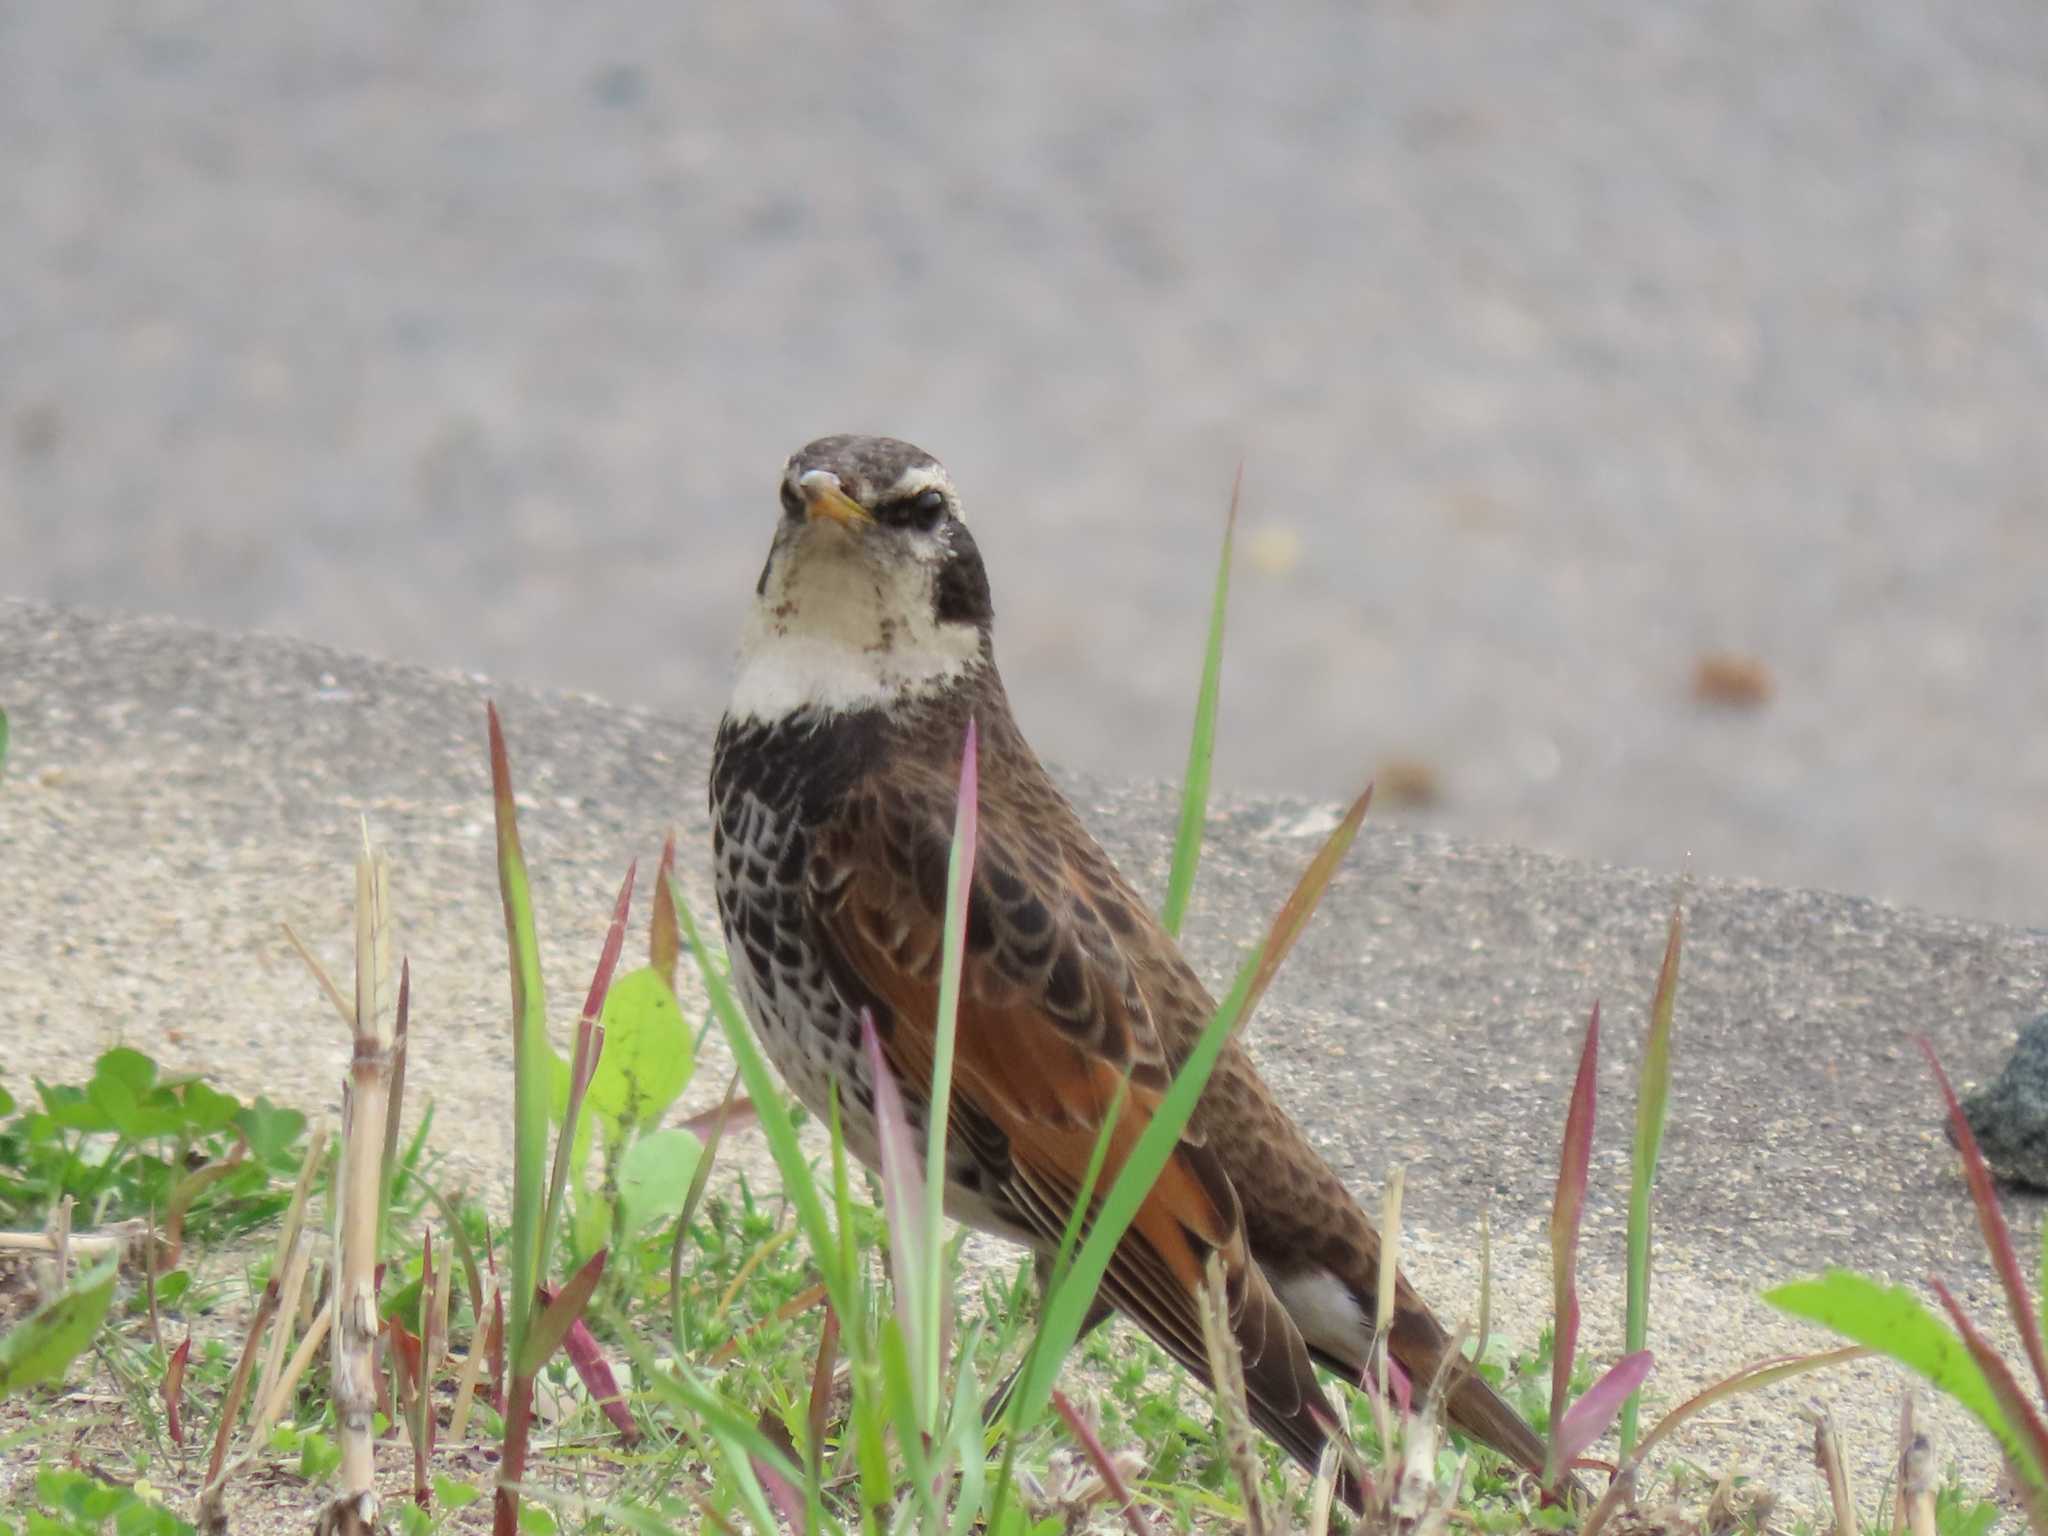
x: 1194, y: 794
x: 798, y: 1186
x: 1891, y: 1320
x: 1301, y: 901
x: 531, y: 1054
x: 1653, y: 1100
x: 1068, y: 1305
x: 935, y: 1292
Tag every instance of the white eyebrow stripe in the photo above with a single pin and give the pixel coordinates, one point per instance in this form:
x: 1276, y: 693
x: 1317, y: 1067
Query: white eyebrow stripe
x: 925, y: 477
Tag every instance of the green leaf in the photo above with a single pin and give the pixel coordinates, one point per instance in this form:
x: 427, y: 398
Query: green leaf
x: 590, y: 1224
x: 42, y: 1347
x: 654, y: 1177
x: 1067, y: 1304
x: 1892, y: 1320
x: 647, y: 1056
x: 1194, y: 795
x: 128, y: 1067
x: 3, y: 738
x: 933, y: 1289
x: 1653, y: 1099
x: 207, y: 1109
x: 454, y: 1493
x: 271, y: 1132
x: 124, y: 1089
x: 535, y: 1520
x: 6, y: 1101
x: 319, y: 1457
x: 530, y: 1050
x: 69, y: 1107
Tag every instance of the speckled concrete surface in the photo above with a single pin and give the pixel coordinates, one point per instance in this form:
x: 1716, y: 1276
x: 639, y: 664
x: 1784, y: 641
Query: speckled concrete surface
x: 172, y: 793
x: 1564, y: 343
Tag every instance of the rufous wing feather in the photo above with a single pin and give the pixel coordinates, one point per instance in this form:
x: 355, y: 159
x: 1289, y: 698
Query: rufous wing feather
x: 1052, y: 1033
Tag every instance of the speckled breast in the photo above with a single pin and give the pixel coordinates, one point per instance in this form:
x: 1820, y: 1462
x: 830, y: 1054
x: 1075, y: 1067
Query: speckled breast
x: 771, y: 784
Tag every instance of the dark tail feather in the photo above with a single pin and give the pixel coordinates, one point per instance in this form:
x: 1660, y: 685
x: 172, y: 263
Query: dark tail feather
x: 1282, y: 1394
x: 1285, y: 1399
x: 1420, y: 1344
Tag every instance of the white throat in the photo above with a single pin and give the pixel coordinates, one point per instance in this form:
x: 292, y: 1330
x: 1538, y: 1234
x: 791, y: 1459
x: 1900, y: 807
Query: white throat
x: 833, y: 632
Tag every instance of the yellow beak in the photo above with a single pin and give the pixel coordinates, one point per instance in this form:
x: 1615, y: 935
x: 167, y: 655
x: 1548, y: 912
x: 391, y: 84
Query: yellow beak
x: 823, y: 498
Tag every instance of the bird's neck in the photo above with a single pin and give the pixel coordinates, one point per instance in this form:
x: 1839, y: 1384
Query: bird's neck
x: 831, y: 636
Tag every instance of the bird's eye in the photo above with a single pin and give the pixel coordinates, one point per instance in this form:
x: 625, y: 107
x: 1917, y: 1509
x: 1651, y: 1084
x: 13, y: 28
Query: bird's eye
x: 792, y: 500
x: 921, y: 511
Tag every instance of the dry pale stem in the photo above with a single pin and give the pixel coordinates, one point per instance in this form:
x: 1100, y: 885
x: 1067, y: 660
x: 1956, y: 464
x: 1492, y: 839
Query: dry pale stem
x: 85, y: 1246
x: 290, y: 1243
x: 366, y: 1101
x: 1226, y: 1366
x: 471, y: 1373
x: 270, y: 1409
x: 1916, y: 1469
x: 297, y: 1260
x: 1827, y: 1455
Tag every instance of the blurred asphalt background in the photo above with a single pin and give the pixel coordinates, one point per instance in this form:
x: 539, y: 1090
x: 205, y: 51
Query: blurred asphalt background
x: 1565, y: 344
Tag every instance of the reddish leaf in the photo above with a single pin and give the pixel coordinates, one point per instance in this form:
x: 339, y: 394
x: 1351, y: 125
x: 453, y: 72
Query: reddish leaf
x: 820, y: 1406
x: 1997, y: 1236
x: 595, y: 1372
x: 664, y: 942
x: 183, y: 1193
x: 787, y: 1498
x: 2029, y: 1447
x: 401, y: 1032
x: 1104, y: 1464
x: 902, y: 1183
x: 608, y: 958
x: 1567, y: 1210
x: 494, y: 1345
x: 737, y: 1113
x: 174, y: 1391
x: 429, y: 1350
x: 405, y: 1353
x: 551, y: 1324
x: 1587, y: 1419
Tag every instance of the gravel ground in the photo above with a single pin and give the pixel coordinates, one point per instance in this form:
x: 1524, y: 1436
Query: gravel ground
x: 1564, y: 344
x: 172, y: 793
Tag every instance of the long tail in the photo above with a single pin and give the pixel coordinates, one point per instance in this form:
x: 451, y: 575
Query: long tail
x: 1333, y: 1313
x: 1419, y: 1342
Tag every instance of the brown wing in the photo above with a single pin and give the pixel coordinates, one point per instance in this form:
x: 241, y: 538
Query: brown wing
x: 1052, y: 1022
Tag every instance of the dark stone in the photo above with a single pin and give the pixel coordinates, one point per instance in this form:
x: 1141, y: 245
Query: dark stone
x: 2010, y: 1118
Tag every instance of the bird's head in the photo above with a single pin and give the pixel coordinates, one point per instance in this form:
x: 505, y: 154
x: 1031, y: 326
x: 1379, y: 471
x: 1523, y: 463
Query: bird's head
x: 873, y: 592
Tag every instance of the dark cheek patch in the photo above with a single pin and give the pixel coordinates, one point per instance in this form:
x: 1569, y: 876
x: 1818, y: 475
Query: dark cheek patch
x: 960, y: 594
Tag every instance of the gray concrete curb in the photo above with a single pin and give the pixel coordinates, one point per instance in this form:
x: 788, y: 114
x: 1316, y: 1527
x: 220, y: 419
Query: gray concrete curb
x: 173, y: 792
